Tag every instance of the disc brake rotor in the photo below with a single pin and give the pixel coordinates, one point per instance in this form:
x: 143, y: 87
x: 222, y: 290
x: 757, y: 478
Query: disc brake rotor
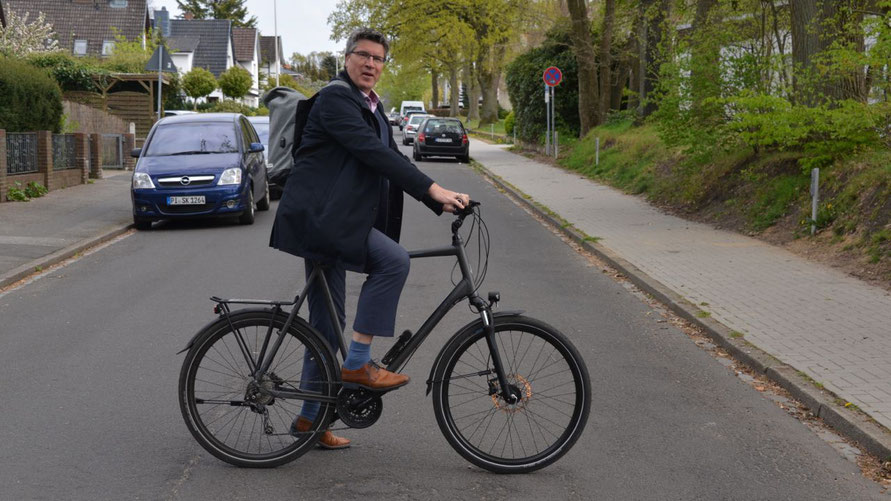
x: 518, y: 386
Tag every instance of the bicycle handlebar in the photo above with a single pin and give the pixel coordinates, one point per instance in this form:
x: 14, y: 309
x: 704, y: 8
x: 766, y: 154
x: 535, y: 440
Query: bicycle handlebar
x: 463, y: 213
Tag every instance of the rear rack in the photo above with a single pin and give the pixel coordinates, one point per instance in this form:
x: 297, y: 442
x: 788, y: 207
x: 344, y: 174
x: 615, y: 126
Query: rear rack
x: 218, y: 300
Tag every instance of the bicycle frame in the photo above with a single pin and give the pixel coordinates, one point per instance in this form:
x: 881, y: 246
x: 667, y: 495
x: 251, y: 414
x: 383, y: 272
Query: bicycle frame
x: 464, y: 289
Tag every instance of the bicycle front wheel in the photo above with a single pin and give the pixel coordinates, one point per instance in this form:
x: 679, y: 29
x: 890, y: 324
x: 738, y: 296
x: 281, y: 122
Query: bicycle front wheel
x: 230, y: 413
x: 543, y: 368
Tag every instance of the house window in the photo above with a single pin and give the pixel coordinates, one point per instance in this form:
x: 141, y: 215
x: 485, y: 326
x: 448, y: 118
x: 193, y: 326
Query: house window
x: 117, y: 4
x: 107, y: 47
x: 80, y: 47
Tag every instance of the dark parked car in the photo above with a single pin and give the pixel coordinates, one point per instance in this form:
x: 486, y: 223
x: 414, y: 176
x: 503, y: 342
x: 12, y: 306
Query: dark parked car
x: 442, y: 137
x: 209, y: 164
x: 261, y: 125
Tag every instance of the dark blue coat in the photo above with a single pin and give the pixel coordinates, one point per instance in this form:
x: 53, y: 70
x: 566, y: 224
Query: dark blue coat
x: 333, y: 194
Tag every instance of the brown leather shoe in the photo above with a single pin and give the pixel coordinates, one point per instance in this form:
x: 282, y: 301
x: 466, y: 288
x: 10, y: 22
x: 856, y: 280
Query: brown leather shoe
x: 374, y: 377
x: 328, y: 439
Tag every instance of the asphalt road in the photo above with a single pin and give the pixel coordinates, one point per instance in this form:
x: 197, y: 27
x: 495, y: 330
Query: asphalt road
x: 88, y: 376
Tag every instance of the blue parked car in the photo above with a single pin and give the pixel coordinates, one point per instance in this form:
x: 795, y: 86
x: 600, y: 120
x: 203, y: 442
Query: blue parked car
x: 209, y: 164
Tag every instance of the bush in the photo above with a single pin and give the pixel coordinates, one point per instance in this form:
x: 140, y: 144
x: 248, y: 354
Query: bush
x: 235, y: 82
x: 35, y: 190
x: 71, y: 73
x: 199, y: 83
x: 228, y: 106
x: 29, y: 98
x: 509, y: 123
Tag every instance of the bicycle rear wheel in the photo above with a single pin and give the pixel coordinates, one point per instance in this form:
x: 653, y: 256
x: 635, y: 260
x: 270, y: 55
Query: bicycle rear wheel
x: 227, y: 411
x: 543, y: 368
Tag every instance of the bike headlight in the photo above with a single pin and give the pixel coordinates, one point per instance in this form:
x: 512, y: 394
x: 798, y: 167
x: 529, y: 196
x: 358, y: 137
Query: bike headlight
x: 230, y: 176
x: 142, y: 181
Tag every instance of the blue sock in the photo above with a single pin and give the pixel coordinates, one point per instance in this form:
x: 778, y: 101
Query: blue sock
x: 358, y: 355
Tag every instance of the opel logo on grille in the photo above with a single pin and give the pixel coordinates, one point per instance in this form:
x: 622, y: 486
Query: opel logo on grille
x: 185, y: 181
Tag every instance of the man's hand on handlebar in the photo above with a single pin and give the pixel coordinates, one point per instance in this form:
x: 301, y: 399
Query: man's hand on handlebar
x: 451, y: 201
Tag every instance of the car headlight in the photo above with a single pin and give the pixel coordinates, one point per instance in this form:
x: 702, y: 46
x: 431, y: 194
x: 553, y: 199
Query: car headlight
x: 230, y: 176
x: 142, y: 181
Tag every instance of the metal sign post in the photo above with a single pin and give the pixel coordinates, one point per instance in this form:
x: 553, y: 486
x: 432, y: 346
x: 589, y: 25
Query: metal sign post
x: 161, y: 62
x: 815, y: 198
x: 548, y: 120
x: 160, y: 86
x: 552, y: 78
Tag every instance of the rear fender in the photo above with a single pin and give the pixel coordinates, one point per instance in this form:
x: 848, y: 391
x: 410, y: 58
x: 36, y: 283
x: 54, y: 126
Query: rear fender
x: 471, y: 327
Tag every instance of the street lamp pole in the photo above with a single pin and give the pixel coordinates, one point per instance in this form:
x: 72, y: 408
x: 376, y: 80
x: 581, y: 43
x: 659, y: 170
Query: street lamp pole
x: 277, y: 56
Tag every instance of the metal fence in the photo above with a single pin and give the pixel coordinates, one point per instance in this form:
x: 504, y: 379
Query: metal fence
x: 63, y: 152
x: 112, y: 151
x: 21, y: 152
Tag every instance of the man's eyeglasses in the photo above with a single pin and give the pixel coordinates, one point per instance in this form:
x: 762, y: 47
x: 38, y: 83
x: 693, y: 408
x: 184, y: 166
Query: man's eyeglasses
x: 364, y: 56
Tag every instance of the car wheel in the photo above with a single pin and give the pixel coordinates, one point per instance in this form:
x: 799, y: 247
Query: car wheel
x: 142, y: 224
x: 416, y: 156
x: 248, y: 216
x: 275, y: 192
x: 263, y: 204
x: 404, y: 142
x: 464, y: 159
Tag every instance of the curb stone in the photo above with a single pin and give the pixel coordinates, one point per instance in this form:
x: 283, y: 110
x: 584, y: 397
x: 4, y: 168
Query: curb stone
x: 856, y: 426
x: 60, y: 255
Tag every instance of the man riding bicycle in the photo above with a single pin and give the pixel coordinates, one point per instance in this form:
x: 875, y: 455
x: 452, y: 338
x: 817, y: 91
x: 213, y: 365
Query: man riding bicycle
x: 342, y: 209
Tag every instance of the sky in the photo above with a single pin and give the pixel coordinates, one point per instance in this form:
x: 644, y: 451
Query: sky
x: 302, y: 24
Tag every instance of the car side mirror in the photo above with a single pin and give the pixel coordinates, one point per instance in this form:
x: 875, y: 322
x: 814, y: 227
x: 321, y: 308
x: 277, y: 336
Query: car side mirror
x: 256, y: 147
x: 135, y: 152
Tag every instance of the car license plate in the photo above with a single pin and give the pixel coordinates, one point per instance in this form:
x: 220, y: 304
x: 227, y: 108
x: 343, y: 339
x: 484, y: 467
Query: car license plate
x: 443, y: 140
x: 193, y: 200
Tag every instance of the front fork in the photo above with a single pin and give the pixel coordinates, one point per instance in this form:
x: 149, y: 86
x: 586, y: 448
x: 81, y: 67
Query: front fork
x: 485, y: 310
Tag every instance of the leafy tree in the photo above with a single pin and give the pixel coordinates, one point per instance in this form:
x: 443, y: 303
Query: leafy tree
x: 20, y: 38
x: 199, y: 83
x: 235, y: 82
x: 233, y: 10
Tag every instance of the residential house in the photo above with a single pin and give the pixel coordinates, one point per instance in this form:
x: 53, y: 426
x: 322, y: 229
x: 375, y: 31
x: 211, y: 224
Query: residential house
x: 86, y: 27
x: 202, y: 43
x: 268, y: 64
x: 246, y: 43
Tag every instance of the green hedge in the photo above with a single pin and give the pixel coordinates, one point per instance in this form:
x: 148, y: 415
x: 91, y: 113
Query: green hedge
x: 29, y: 98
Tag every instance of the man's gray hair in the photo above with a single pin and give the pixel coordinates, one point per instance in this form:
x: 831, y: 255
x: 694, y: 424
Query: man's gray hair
x: 367, y: 34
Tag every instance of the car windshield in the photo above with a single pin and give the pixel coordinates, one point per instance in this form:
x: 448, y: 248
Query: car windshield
x: 262, y: 131
x: 416, y: 119
x: 443, y: 126
x: 409, y: 109
x: 193, y: 139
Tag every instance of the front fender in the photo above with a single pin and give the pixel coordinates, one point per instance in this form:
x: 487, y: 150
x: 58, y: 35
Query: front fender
x: 471, y: 327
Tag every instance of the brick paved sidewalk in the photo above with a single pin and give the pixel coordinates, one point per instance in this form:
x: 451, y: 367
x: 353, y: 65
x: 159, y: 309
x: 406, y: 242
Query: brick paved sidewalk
x: 831, y: 326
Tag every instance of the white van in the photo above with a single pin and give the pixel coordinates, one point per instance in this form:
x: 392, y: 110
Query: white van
x: 411, y: 106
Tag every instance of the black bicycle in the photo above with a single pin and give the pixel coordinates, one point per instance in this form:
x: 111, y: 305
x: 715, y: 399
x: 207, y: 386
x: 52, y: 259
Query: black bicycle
x: 510, y: 393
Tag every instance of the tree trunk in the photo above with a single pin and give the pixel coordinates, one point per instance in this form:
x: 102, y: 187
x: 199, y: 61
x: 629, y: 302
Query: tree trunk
x: 816, y: 25
x: 454, y: 91
x: 705, y: 77
x: 434, y: 84
x: 489, y: 77
x: 606, y: 38
x: 473, y: 90
x: 654, y: 21
x: 587, y: 64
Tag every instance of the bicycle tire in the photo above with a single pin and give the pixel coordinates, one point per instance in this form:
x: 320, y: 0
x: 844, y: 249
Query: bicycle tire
x: 463, y: 383
x: 214, y: 367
